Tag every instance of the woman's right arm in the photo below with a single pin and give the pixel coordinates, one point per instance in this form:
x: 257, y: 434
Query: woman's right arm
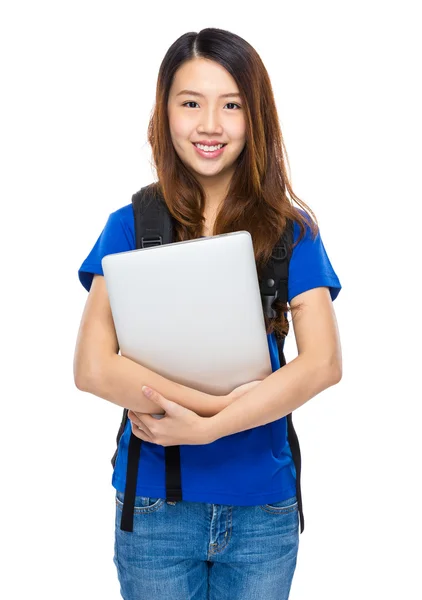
x: 100, y: 370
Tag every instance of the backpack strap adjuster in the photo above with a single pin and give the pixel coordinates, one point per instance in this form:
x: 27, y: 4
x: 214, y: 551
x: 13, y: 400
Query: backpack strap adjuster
x: 279, y: 252
x: 149, y: 242
x: 267, y: 302
x: 273, y: 281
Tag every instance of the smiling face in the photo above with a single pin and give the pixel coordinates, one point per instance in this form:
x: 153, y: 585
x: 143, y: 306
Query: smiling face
x: 211, y: 115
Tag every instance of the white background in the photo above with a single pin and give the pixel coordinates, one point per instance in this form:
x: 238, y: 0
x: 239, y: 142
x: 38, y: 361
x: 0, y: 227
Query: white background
x: 78, y: 83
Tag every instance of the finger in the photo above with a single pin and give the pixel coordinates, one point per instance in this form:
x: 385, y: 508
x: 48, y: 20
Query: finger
x: 139, y: 423
x: 139, y: 433
x: 140, y: 415
x: 156, y: 396
x: 134, y: 417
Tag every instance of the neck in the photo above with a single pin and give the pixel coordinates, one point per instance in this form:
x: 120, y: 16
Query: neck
x: 215, y: 190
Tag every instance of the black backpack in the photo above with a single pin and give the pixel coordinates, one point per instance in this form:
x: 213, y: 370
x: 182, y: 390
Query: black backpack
x: 154, y: 226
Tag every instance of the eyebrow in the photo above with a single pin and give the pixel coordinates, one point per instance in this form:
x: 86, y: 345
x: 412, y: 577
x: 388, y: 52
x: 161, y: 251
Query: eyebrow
x: 193, y: 93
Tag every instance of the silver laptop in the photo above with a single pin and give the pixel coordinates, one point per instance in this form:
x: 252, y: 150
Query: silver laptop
x: 191, y: 311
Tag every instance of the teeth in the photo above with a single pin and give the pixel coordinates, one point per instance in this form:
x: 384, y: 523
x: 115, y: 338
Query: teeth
x: 209, y: 148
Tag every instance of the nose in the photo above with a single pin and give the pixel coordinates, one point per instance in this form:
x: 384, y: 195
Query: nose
x: 210, y: 121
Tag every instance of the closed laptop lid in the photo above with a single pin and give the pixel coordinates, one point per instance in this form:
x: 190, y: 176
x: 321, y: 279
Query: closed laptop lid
x: 191, y: 311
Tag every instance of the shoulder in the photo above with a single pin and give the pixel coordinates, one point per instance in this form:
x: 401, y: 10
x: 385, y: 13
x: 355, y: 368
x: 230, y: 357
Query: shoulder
x: 310, y: 265
x: 117, y: 235
x: 310, y: 229
x: 122, y: 221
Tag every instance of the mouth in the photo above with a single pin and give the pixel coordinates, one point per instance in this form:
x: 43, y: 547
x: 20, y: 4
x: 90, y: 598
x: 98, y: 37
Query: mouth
x: 209, y: 151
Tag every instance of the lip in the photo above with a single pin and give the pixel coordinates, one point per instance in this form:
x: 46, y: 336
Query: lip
x: 204, y: 154
x: 208, y: 142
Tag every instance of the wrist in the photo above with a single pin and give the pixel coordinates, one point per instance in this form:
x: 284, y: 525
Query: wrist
x: 211, y: 420
x: 214, y: 421
x: 211, y: 429
x: 209, y: 405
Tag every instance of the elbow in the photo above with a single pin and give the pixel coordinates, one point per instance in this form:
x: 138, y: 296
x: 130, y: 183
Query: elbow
x: 336, y: 374
x: 82, y: 381
x: 334, y: 371
x: 84, y: 375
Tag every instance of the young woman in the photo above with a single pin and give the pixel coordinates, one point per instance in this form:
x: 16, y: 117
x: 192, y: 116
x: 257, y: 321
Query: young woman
x: 220, y: 161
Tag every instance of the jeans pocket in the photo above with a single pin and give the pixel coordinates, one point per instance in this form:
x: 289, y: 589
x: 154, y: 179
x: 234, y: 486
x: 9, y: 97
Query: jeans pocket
x: 142, y: 503
x: 282, y: 506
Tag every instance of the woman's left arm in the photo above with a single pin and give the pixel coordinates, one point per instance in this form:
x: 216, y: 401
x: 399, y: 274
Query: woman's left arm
x: 317, y: 367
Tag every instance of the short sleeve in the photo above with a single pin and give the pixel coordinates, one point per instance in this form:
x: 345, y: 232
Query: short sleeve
x: 310, y: 266
x: 117, y: 236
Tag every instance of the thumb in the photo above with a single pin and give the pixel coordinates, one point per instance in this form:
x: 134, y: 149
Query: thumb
x: 150, y: 393
x: 156, y: 397
x: 169, y: 406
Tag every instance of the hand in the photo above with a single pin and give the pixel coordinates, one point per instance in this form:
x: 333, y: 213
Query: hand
x: 178, y: 426
x: 242, y: 389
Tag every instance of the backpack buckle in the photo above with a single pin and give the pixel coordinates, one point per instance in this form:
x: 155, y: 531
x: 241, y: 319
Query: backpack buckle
x: 279, y: 253
x: 149, y: 242
x: 267, y: 302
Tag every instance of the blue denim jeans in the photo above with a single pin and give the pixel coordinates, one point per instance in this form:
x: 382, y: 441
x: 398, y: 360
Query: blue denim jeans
x: 198, y: 551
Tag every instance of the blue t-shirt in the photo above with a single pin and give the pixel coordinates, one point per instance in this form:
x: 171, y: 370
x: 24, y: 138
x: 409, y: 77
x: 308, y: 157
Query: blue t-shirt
x: 247, y: 468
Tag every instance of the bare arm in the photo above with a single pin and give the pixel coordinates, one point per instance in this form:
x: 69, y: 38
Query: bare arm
x: 317, y: 367
x: 100, y: 370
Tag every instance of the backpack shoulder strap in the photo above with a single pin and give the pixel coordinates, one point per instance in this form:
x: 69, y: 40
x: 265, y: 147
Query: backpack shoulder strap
x: 274, y: 284
x: 153, y: 226
x: 274, y: 277
x: 153, y: 221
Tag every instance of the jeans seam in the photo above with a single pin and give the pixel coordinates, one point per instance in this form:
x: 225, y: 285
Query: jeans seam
x: 227, y: 540
x: 279, y: 510
x: 142, y: 509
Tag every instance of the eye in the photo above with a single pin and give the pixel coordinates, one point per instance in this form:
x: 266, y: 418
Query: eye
x: 193, y: 102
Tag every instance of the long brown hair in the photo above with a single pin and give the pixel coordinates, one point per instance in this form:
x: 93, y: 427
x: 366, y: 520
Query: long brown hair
x: 260, y: 197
